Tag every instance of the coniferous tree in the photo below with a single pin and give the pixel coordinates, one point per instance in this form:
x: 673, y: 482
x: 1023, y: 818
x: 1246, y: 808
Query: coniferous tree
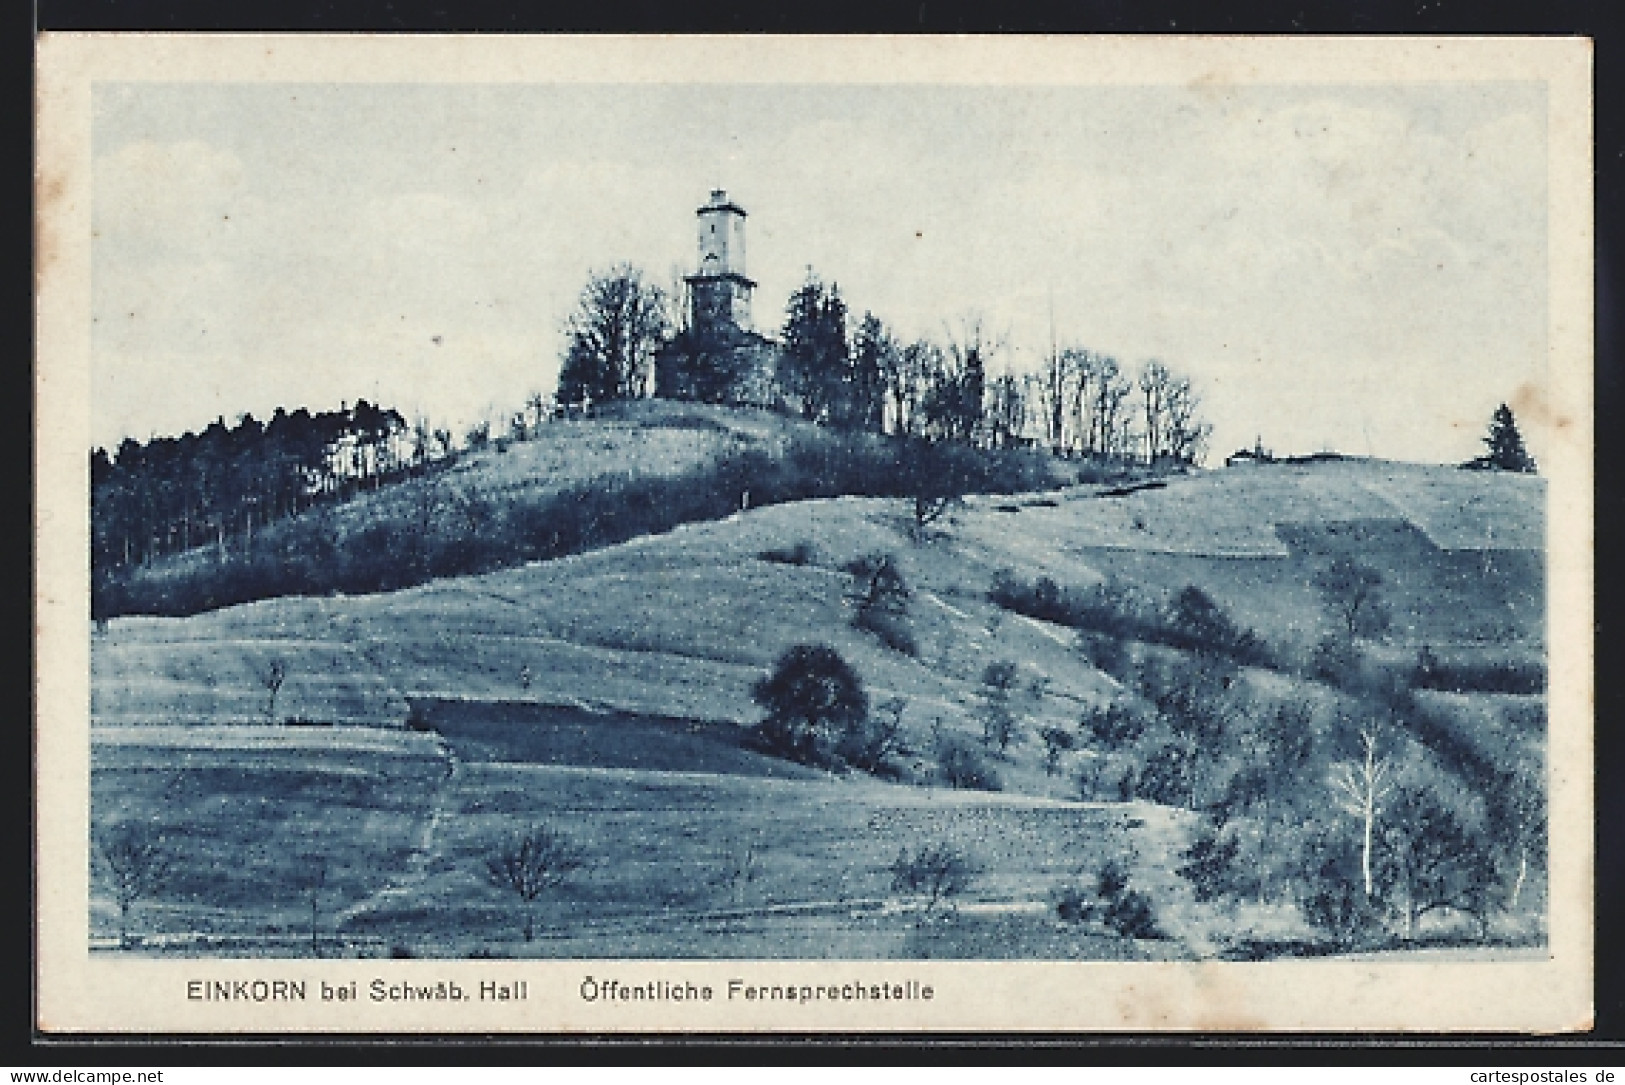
x: 815, y: 362
x: 1505, y: 444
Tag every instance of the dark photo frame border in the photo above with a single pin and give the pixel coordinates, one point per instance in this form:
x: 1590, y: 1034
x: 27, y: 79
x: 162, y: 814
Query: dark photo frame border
x: 27, y: 1046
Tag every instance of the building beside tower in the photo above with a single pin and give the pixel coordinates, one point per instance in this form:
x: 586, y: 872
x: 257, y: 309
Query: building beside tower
x: 717, y: 357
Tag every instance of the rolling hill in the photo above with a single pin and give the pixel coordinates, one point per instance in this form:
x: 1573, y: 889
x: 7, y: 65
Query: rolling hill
x: 609, y: 691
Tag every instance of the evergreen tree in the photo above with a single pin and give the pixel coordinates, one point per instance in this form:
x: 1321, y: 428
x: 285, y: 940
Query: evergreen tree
x: 815, y: 363
x: 1505, y: 444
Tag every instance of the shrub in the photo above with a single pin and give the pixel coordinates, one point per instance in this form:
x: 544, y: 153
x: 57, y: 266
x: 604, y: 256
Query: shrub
x: 1073, y: 905
x: 1132, y: 915
x: 1057, y: 741
x: 882, y: 597
x: 1442, y: 861
x: 1107, y: 654
x: 999, y: 722
x: 869, y: 744
x: 963, y: 767
x: 409, y: 542
x: 801, y: 553
x: 1106, y: 779
x: 1125, y: 909
x: 1337, y: 660
x: 1166, y: 777
x: 934, y: 477
x: 1197, y: 623
x: 812, y: 697
x: 1210, y: 864
x: 1331, y: 896
x: 1113, y: 612
x: 1116, y: 726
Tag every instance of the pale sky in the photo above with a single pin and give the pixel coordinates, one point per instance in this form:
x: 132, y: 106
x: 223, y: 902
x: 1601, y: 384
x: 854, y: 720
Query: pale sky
x: 1361, y: 269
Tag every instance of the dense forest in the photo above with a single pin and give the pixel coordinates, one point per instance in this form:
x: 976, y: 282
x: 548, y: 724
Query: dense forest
x: 221, y: 485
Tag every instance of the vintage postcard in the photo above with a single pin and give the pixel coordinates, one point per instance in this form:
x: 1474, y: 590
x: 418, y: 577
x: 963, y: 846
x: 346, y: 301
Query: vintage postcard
x: 758, y: 534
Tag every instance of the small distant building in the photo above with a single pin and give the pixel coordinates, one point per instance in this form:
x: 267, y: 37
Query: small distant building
x: 717, y: 357
x: 1250, y: 456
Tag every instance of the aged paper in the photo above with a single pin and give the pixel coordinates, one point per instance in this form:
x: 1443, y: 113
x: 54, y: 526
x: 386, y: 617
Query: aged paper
x: 511, y: 794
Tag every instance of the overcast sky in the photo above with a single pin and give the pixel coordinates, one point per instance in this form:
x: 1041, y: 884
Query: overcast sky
x: 1361, y: 269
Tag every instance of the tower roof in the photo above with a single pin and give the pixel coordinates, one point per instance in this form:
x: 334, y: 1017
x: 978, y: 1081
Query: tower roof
x: 720, y: 202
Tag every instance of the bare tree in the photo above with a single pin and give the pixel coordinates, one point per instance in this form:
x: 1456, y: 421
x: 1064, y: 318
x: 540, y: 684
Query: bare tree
x: 1085, y: 373
x: 1187, y: 435
x: 1169, y: 403
x: 531, y: 863
x: 1053, y: 381
x: 1006, y: 409
x: 1154, y: 381
x: 938, y: 872
x: 1110, y: 421
x: 422, y: 440
x: 1359, y: 788
x: 958, y: 399
x: 867, y: 744
x: 313, y: 879
x: 907, y: 371
x: 540, y: 408
x: 618, y: 322
x: 999, y: 722
x: 272, y: 680
x: 137, y: 865
x: 739, y: 870
x: 1351, y: 591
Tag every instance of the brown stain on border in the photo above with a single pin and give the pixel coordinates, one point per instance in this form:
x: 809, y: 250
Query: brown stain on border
x: 49, y: 192
x: 1529, y: 402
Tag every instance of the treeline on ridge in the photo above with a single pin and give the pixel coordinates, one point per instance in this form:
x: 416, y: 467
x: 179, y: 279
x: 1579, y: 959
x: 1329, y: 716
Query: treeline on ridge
x: 224, y: 483
x: 433, y: 527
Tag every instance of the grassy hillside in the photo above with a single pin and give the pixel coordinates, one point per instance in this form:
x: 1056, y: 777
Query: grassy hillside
x: 573, y: 486
x: 606, y: 692
x: 707, y: 850
x: 681, y: 623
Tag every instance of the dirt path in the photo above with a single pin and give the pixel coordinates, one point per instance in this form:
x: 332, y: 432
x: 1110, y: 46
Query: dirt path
x: 1159, y: 834
x: 416, y: 871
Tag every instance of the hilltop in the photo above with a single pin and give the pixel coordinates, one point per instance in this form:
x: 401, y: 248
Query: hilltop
x: 638, y: 467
